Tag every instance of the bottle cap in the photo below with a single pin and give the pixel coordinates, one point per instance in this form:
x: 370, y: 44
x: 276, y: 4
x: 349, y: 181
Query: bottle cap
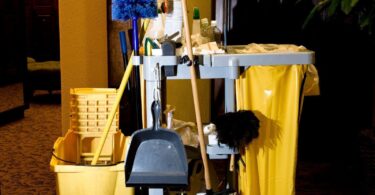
x: 196, y: 15
x: 204, y: 21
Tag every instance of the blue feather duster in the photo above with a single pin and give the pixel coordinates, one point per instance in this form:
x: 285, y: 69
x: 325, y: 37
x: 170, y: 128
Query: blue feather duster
x: 127, y: 9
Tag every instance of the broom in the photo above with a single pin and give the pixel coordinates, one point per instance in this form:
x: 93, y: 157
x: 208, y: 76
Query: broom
x: 193, y: 80
x: 124, y: 52
x: 124, y: 10
x: 135, y: 9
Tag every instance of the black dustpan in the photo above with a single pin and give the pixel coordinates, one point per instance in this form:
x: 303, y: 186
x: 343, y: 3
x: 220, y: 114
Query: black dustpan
x: 156, y: 157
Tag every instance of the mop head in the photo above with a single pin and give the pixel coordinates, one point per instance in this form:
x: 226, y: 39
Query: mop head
x: 126, y: 9
x: 237, y: 129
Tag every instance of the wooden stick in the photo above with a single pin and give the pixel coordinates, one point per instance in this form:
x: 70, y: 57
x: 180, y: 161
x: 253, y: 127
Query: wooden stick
x: 231, y: 163
x: 196, y: 100
x: 114, y: 108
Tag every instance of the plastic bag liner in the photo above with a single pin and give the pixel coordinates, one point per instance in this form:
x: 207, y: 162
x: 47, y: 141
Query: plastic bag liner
x: 275, y: 94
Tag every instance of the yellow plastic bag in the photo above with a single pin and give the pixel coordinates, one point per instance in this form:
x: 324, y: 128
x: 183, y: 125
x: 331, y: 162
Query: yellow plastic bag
x: 275, y: 94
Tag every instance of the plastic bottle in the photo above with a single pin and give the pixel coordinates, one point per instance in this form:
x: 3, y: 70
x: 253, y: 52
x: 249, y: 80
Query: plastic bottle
x: 206, y: 30
x: 173, y: 19
x: 196, y: 27
x: 217, y: 34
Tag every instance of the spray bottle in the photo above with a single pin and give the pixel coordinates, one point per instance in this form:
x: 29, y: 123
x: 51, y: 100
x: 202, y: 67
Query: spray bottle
x: 173, y: 19
x: 196, y: 27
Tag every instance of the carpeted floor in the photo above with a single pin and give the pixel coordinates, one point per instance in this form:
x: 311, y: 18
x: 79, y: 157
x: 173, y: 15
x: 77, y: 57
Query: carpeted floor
x: 25, y: 148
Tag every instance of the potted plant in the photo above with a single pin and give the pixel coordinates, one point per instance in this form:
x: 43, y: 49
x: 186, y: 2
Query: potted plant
x: 361, y: 12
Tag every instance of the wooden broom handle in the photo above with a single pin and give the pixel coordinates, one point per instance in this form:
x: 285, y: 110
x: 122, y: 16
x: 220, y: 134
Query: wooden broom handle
x: 114, y: 108
x: 116, y: 104
x: 193, y: 79
x: 231, y: 163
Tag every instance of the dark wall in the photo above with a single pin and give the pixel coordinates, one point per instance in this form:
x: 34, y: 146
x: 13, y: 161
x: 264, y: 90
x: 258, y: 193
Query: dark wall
x: 344, y: 58
x: 267, y: 21
x: 42, y: 29
x: 13, y: 100
x: 12, y: 39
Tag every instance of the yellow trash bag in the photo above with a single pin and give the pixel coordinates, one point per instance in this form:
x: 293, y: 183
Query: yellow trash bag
x: 275, y: 94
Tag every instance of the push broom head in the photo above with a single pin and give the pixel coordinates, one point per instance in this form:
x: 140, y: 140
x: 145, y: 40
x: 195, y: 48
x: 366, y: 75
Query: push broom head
x: 127, y: 9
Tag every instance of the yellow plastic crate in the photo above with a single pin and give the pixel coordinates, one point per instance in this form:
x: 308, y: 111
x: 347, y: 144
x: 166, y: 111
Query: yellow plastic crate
x: 88, y: 180
x: 90, y: 108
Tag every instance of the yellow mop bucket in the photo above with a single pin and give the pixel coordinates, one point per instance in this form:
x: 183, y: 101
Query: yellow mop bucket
x: 80, y: 179
x: 93, y: 179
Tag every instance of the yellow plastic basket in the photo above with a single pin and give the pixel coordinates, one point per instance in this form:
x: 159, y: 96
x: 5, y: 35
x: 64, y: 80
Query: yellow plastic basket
x: 91, y: 180
x: 88, y: 142
x: 90, y: 107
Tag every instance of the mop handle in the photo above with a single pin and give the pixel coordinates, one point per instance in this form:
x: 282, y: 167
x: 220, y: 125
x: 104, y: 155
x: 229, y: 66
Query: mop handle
x: 232, y: 163
x: 114, y: 108
x: 120, y: 92
x: 196, y: 100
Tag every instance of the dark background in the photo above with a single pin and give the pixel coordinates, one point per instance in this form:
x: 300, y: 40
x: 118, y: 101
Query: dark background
x: 344, y: 59
x: 331, y: 124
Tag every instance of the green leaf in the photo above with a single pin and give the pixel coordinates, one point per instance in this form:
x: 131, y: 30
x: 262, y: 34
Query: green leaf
x: 310, y: 16
x: 333, y: 7
x: 363, y: 23
x: 367, y: 18
x: 348, y: 5
x: 354, y: 3
x: 316, y: 9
